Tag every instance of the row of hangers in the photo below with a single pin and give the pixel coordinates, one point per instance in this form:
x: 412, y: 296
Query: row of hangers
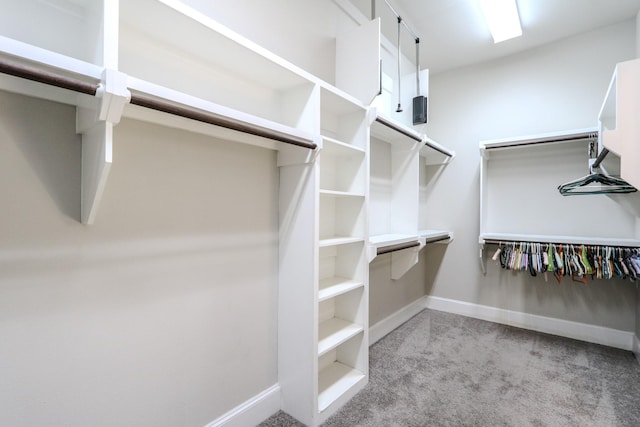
x: 575, y: 261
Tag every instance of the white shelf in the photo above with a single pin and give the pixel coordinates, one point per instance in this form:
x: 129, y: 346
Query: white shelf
x: 188, y: 59
x: 332, y: 287
x: 334, y: 381
x: 181, y: 99
x: 332, y: 193
x: 619, y: 125
x: 431, y: 236
x: 384, y: 240
x: 72, y: 28
x: 339, y: 148
x: 573, y: 240
x: 335, y: 331
x: 539, y: 140
x: 336, y: 241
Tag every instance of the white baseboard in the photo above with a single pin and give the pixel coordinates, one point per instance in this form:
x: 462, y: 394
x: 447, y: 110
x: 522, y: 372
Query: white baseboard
x: 388, y: 324
x: 253, y: 411
x: 636, y: 347
x: 565, y: 328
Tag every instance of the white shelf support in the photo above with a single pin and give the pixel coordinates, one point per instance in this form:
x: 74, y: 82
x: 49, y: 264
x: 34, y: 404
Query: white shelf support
x: 96, y: 127
x: 96, y: 163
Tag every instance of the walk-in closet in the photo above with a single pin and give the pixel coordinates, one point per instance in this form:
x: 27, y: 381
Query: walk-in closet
x: 329, y: 212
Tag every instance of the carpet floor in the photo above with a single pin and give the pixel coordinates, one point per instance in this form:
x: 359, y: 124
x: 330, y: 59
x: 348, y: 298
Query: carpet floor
x: 441, y: 369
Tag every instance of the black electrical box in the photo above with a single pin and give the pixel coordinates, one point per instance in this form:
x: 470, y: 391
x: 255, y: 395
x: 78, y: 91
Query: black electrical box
x: 419, y: 110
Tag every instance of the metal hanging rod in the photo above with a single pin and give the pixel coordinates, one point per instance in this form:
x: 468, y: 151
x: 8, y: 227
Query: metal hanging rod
x: 399, y: 129
x: 394, y: 248
x: 205, y: 117
x: 600, y: 158
x: 76, y: 85
x: 544, y: 140
x: 373, y: 15
x: 47, y: 77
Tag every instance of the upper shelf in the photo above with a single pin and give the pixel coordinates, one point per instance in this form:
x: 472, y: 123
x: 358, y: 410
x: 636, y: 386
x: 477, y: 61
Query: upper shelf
x: 202, y: 58
x: 561, y: 137
x: 619, y: 124
x: 392, y: 131
x: 70, y: 28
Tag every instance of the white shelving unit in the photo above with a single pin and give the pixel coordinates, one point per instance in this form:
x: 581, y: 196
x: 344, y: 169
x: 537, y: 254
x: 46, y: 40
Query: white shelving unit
x: 342, y: 177
x: 395, y: 195
x: 618, y: 118
x: 342, y: 293
x: 520, y: 201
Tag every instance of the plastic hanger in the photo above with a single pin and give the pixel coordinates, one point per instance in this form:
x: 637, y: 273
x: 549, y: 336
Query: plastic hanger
x: 596, y: 183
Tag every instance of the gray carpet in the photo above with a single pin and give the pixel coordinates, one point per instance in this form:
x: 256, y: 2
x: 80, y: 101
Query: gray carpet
x: 441, y: 369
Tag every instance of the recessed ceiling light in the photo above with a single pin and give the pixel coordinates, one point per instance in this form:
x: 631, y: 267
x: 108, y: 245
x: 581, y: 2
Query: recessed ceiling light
x: 502, y: 18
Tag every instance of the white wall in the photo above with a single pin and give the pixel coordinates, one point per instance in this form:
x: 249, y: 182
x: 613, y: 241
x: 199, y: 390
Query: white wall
x: 162, y: 313
x: 303, y: 32
x: 555, y: 87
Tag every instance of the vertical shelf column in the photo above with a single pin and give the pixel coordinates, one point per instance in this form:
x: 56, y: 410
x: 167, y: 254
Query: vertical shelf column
x: 342, y: 293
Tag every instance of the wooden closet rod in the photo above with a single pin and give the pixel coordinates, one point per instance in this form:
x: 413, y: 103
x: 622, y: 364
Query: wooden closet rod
x: 438, y: 239
x: 76, y: 85
x: 47, y: 77
x: 393, y: 248
x: 205, y: 117
x: 544, y: 140
x: 395, y: 127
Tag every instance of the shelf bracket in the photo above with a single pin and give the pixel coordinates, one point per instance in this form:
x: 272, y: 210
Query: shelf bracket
x: 483, y: 261
x: 96, y: 123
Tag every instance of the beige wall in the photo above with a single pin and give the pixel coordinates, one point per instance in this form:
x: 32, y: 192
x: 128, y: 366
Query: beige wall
x: 162, y: 313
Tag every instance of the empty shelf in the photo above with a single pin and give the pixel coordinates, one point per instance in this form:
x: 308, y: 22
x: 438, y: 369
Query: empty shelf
x: 334, y: 381
x: 335, y: 241
x: 334, y: 286
x: 334, y: 332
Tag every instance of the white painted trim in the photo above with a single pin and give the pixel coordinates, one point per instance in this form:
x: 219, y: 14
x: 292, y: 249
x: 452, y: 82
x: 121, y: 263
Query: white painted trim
x: 253, y: 411
x: 388, y: 324
x: 636, y: 343
x: 565, y: 328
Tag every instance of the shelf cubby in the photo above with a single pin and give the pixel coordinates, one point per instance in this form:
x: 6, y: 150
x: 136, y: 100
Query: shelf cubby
x: 343, y: 167
x: 341, y: 269
x: 342, y: 119
x: 342, y: 216
x: 71, y: 28
x: 200, y: 57
x: 342, y: 371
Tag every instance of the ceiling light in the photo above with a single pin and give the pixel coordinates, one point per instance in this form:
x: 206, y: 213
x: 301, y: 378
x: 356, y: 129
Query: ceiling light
x: 502, y: 18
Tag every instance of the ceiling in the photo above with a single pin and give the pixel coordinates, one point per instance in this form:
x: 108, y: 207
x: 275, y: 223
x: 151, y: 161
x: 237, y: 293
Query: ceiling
x: 453, y: 32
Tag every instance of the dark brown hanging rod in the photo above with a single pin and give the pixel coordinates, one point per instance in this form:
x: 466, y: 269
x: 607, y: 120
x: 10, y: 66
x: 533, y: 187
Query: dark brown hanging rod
x: 600, y: 158
x: 397, y: 128
x: 405, y: 132
x: 393, y: 248
x: 438, y: 239
x: 47, y: 77
x: 64, y: 82
x: 544, y: 140
x: 212, y: 119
